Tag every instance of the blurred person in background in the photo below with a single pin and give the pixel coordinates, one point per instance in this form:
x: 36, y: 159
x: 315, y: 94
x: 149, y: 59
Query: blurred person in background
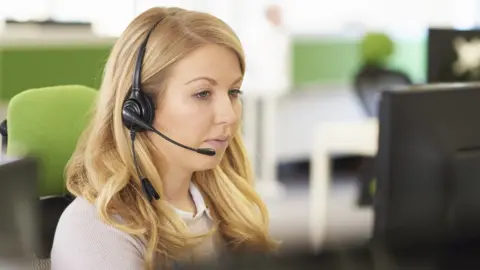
x: 204, y: 205
x: 268, y: 53
x: 267, y: 78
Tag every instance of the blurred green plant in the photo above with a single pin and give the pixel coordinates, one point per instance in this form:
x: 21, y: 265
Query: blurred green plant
x: 375, y: 49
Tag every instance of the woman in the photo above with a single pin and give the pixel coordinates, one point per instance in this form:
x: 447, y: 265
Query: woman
x: 192, y: 70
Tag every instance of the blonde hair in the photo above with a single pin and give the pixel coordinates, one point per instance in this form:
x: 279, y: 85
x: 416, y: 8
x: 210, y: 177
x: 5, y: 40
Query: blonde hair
x: 102, y: 171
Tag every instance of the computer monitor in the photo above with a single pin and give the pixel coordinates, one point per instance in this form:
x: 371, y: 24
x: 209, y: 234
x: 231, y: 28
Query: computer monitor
x: 428, y: 166
x: 453, y: 55
x: 18, y: 209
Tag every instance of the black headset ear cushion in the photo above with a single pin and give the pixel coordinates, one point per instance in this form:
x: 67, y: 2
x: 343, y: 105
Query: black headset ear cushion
x: 131, y: 105
x: 149, y: 108
x: 142, y: 105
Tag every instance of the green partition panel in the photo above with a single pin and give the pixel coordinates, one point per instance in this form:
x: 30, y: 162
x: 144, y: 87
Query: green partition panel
x: 411, y: 57
x: 31, y: 66
x: 335, y: 61
x: 315, y: 61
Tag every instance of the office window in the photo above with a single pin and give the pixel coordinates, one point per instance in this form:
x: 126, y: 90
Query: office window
x: 24, y: 10
x: 316, y: 17
x: 335, y: 17
x: 72, y: 10
x: 219, y: 8
x: 340, y: 16
x: 108, y: 22
x: 126, y: 10
x: 223, y: 9
x: 407, y: 16
x: 466, y: 14
x: 39, y: 10
x: 142, y: 5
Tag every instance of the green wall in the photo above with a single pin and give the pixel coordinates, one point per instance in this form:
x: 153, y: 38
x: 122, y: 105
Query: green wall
x: 315, y: 61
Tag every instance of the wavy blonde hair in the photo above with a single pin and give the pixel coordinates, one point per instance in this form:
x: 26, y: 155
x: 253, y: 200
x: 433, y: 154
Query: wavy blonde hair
x: 102, y: 171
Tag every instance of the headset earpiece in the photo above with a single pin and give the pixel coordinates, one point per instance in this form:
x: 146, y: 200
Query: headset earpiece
x: 138, y: 105
x: 138, y: 112
x: 142, y: 105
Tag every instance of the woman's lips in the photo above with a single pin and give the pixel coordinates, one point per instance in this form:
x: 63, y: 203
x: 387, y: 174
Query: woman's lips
x: 217, y: 144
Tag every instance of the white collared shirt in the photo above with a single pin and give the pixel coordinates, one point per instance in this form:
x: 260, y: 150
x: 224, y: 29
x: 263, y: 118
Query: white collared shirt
x: 200, y: 206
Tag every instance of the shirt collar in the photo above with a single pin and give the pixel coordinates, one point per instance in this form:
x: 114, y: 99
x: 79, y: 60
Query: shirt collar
x: 200, y: 205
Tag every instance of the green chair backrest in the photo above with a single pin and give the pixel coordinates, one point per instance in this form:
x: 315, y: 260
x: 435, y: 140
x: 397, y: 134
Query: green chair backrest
x: 46, y: 123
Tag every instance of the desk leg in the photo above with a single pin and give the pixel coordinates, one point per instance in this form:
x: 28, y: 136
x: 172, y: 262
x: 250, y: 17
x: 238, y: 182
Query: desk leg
x: 250, y: 115
x: 319, y: 190
x: 269, y: 186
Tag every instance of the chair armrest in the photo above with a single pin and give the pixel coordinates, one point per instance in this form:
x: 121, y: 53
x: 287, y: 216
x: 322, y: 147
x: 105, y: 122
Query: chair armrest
x: 4, y: 133
x: 51, y: 208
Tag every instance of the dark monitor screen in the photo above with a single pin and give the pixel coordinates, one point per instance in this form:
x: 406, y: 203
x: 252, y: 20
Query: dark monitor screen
x: 453, y: 55
x: 365, y: 257
x: 18, y: 209
x: 428, y: 165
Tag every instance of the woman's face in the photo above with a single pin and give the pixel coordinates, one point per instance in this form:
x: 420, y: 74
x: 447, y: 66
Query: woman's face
x: 201, y: 107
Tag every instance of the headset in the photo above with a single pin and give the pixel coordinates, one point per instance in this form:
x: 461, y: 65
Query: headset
x: 138, y: 113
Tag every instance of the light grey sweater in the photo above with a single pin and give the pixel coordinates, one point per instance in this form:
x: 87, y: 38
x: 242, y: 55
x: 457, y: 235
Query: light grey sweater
x: 83, y: 241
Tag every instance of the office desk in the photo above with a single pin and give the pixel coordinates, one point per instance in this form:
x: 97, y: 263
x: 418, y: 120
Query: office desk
x: 267, y: 184
x: 358, y: 138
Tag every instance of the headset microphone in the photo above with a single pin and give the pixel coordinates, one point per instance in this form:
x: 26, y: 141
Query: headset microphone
x: 206, y: 151
x: 131, y: 116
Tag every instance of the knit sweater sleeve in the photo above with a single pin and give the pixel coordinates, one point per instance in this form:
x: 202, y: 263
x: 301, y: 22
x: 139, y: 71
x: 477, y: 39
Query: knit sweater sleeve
x: 83, y: 241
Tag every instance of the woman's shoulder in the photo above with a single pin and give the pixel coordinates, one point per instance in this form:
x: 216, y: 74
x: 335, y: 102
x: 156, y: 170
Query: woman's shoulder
x: 79, y: 211
x: 81, y: 215
x: 83, y: 237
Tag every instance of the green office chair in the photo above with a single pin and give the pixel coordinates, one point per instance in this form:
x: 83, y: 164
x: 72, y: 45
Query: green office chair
x: 46, y: 123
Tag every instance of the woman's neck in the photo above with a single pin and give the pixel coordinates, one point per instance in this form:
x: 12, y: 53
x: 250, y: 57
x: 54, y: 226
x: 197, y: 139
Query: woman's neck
x: 176, y: 189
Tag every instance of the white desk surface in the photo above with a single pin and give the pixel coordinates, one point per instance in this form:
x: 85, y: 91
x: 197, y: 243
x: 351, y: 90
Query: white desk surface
x: 334, y: 138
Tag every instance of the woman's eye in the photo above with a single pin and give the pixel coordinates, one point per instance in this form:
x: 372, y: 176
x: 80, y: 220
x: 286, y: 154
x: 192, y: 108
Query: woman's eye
x: 203, y: 95
x: 235, y: 92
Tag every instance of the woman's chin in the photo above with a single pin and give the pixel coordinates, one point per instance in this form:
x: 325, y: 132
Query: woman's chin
x: 208, y: 163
